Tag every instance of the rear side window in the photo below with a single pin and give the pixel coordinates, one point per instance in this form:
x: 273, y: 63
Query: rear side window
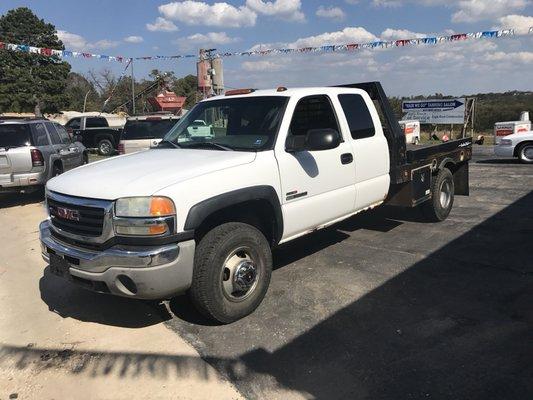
x: 53, y: 133
x: 95, y: 122
x: 14, y: 135
x: 357, y: 115
x: 147, y: 129
x: 74, y: 123
x: 313, y: 112
x: 63, y: 134
x: 40, y: 138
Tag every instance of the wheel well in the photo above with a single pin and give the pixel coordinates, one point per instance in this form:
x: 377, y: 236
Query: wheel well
x: 258, y: 213
x: 519, y: 146
x: 58, y: 163
x: 104, y: 136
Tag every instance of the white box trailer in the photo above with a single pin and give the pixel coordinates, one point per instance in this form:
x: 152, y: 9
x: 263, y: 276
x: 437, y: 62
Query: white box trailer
x: 411, y: 130
x: 502, y: 129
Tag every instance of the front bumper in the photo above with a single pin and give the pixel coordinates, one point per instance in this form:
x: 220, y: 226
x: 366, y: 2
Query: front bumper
x: 504, y: 151
x: 151, y: 272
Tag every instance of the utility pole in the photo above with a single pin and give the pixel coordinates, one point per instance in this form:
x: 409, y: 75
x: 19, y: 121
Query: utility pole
x: 132, y: 89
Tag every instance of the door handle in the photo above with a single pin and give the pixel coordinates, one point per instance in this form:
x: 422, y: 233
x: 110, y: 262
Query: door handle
x: 346, y: 158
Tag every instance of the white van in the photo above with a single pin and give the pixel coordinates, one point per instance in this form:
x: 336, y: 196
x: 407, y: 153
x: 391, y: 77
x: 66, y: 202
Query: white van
x: 144, y: 132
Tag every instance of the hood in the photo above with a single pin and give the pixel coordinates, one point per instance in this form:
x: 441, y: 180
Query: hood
x: 144, y: 173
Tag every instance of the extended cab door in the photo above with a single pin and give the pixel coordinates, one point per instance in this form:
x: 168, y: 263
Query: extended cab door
x: 317, y: 186
x: 371, y: 151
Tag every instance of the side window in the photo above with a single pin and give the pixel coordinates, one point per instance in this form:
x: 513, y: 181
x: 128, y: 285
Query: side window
x: 357, y: 115
x: 53, y: 133
x: 65, y: 138
x: 313, y: 112
x: 95, y: 122
x: 74, y: 123
x: 40, y: 138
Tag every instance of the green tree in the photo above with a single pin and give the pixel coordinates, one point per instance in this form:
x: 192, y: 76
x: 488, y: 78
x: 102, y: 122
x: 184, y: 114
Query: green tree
x: 30, y: 82
x: 187, y: 87
x: 81, y: 92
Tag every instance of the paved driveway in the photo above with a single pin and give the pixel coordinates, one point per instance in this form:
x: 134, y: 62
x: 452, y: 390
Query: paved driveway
x: 381, y: 306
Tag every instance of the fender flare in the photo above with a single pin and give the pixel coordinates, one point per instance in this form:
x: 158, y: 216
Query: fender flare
x: 446, y: 161
x: 200, y: 211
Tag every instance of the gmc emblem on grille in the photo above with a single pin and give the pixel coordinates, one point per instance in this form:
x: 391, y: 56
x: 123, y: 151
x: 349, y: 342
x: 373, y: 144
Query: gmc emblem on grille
x: 67, y: 213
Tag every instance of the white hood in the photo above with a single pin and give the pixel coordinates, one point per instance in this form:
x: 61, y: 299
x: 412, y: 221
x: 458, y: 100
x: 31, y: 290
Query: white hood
x: 144, y: 173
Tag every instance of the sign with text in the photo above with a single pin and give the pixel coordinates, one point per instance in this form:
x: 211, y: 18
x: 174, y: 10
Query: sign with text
x: 438, y: 111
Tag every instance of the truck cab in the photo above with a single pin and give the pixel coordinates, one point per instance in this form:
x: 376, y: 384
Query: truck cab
x: 200, y: 214
x: 95, y: 133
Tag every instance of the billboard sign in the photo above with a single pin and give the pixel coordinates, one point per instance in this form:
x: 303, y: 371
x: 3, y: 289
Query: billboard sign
x: 438, y: 111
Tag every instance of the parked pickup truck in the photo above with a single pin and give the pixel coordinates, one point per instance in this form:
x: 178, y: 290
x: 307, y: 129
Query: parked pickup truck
x: 201, y: 215
x: 95, y: 133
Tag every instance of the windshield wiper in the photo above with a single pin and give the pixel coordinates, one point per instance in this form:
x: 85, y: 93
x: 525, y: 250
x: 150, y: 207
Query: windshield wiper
x: 175, y: 145
x: 209, y: 144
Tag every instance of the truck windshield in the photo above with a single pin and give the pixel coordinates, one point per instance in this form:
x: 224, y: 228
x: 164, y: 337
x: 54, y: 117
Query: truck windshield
x: 14, y: 135
x: 147, y: 128
x: 245, y: 123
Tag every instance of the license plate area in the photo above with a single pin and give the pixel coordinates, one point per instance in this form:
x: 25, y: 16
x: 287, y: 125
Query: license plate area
x: 59, y: 266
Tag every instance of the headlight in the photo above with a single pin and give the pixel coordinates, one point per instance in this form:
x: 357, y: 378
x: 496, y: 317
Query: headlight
x: 144, y: 207
x: 506, y: 142
x: 144, y: 216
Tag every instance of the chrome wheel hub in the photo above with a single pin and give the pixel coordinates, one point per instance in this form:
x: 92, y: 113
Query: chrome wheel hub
x: 239, y: 275
x: 445, y: 196
x: 528, y: 153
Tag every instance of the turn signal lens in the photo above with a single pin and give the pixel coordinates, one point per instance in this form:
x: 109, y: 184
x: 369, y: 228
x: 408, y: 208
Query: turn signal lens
x: 158, y: 229
x: 161, y: 206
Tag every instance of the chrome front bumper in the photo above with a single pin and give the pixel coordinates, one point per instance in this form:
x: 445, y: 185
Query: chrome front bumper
x: 141, y: 272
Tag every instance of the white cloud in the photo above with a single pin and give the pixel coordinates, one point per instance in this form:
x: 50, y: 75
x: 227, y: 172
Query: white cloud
x: 346, y: 36
x: 134, y: 39
x: 465, y: 10
x: 395, y: 34
x: 212, y: 38
x: 330, y: 12
x: 476, y: 10
x: 285, y: 9
x: 520, y: 23
x: 262, y: 65
x: 525, y: 57
x: 162, y: 25
x: 73, y: 41
x: 200, y: 13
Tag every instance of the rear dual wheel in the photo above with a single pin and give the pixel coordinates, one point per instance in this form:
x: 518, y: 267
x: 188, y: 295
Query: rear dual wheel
x: 232, y: 269
x: 439, y: 206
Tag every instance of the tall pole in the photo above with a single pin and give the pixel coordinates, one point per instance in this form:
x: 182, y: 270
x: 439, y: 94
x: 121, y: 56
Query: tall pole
x: 132, y: 89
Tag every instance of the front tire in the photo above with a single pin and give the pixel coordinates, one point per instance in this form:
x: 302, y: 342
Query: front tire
x: 105, y: 147
x: 232, y: 268
x: 525, y: 153
x: 439, y: 206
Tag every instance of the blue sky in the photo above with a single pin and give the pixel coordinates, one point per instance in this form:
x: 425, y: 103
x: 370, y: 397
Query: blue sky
x: 138, y: 28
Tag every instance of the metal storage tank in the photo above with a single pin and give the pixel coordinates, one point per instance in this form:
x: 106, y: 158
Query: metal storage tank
x: 218, y: 75
x: 204, y: 78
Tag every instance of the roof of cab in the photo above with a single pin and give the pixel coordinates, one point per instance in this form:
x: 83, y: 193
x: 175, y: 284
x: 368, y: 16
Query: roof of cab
x: 289, y: 92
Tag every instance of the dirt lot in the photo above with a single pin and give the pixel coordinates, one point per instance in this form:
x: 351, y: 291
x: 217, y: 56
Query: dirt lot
x: 381, y: 306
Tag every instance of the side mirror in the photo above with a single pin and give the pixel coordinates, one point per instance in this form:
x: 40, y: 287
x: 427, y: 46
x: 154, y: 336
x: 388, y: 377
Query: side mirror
x: 322, y: 139
x: 314, y: 140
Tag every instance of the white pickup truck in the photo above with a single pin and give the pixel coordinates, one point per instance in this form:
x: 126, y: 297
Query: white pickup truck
x: 201, y: 214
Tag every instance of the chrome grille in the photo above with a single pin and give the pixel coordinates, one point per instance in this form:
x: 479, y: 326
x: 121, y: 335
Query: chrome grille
x: 76, y: 219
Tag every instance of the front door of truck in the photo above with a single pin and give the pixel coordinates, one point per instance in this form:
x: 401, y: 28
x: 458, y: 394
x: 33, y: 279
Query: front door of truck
x: 317, y: 186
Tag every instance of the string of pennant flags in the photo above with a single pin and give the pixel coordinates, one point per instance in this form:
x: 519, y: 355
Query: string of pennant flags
x: 433, y: 40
